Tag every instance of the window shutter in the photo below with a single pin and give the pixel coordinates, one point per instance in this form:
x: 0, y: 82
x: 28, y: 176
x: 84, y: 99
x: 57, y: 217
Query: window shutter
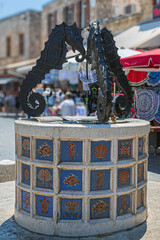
x: 87, y: 12
x: 8, y: 46
x: 21, y: 43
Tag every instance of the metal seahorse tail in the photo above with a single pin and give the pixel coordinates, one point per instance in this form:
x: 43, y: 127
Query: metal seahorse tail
x: 113, y: 62
x: 52, y: 57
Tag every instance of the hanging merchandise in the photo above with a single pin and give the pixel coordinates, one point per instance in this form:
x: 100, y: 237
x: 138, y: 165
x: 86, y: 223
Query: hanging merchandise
x: 92, y: 76
x: 137, y: 78
x: 146, y: 104
x: 154, y: 79
x: 157, y: 115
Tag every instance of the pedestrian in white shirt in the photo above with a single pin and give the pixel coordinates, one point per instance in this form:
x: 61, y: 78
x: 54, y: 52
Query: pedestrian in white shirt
x: 67, y: 106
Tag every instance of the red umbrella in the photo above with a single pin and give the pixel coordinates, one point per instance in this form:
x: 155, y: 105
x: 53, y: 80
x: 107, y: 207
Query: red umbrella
x: 146, y: 61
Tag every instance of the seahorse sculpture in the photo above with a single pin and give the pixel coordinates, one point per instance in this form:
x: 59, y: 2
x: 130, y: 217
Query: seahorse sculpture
x: 95, y: 57
x: 123, y: 103
x: 102, y: 55
x: 52, y: 57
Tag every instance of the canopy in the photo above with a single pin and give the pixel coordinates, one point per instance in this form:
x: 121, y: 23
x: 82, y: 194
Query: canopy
x: 142, y: 36
x: 147, y: 61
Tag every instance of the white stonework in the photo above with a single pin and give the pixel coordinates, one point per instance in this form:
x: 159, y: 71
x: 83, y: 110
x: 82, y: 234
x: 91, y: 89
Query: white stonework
x: 129, y: 129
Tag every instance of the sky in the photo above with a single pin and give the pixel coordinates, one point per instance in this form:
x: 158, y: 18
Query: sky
x: 11, y: 7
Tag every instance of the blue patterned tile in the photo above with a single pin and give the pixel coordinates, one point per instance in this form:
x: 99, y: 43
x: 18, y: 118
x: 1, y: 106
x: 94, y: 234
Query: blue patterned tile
x: 140, y: 198
x: 124, y: 177
x: 71, y: 180
x: 44, y: 206
x: 100, y: 180
x: 71, y: 151
x: 26, y: 147
x: 26, y: 174
x: 100, y: 208
x: 26, y: 201
x: 125, y: 149
x: 100, y: 151
x: 44, y: 149
x: 44, y: 178
x: 140, y: 147
x: 140, y: 172
x: 123, y: 204
x: 71, y: 209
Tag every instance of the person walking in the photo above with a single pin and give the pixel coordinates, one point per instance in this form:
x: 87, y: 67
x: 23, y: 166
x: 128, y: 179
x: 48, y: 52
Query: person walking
x: 67, y: 107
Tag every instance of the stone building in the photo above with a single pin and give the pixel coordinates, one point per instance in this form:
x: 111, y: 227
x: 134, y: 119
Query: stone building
x: 118, y: 15
x: 20, y: 37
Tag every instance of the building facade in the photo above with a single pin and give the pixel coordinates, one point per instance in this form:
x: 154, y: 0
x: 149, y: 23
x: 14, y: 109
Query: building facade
x: 118, y: 15
x: 21, y: 37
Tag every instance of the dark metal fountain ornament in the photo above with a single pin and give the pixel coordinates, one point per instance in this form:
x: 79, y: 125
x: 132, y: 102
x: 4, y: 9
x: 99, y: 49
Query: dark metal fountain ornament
x: 52, y: 57
x: 101, y: 54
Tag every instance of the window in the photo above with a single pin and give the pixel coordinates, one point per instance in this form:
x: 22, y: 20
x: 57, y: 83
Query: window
x: 52, y: 19
x: 130, y: 9
x: 8, y: 46
x: 21, y: 44
x: 68, y: 13
x: 83, y: 13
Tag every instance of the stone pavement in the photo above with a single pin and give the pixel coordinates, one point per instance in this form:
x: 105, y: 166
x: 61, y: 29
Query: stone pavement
x: 149, y: 230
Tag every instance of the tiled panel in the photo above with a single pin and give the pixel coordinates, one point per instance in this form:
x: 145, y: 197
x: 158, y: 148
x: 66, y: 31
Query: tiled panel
x: 44, y: 149
x: 124, y: 177
x: 100, y: 180
x: 140, y: 198
x: 125, y: 149
x: 100, y: 208
x: 26, y: 174
x: 140, y: 147
x: 26, y: 147
x: 123, y: 204
x: 71, y: 209
x: 44, y: 178
x: 100, y: 151
x: 71, y: 180
x: 140, y: 172
x: 25, y: 201
x: 44, y: 206
x: 71, y: 151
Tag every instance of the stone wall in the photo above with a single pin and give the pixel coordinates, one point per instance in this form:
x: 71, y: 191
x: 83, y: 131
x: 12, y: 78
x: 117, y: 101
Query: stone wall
x: 27, y: 23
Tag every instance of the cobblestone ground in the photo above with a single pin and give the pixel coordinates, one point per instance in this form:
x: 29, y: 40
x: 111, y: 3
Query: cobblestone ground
x: 7, y: 141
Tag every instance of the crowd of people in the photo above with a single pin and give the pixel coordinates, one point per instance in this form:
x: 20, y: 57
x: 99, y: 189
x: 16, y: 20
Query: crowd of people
x: 58, y: 103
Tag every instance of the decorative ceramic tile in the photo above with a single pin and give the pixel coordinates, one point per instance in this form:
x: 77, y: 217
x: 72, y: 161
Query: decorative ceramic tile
x: 71, y: 209
x: 100, y: 208
x: 140, y: 198
x: 44, y: 149
x: 26, y: 147
x: 124, y: 177
x: 26, y: 201
x: 71, y: 151
x: 100, y: 151
x: 140, y: 172
x: 44, y: 206
x: 124, y: 149
x: 71, y: 180
x: 123, y: 204
x: 140, y: 147
x: 26, y: 174
x: 44, y: 178
x: 100, y: 180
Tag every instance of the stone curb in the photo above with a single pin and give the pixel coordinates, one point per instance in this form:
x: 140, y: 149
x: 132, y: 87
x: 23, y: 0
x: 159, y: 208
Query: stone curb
x: 7, y: 171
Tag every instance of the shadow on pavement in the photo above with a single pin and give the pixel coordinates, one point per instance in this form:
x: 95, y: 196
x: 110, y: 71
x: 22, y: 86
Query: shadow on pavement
x: 10, y: 230
x: 154, y: 163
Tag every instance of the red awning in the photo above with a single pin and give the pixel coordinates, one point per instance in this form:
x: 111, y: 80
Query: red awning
x: 147, y: 61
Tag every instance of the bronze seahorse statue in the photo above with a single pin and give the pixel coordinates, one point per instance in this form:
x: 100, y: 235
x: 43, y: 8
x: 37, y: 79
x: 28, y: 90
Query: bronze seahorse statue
x: 52, y: 57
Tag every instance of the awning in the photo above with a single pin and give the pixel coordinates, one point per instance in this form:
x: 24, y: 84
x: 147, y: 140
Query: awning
x: 6, y: 80
x: 140, y: 36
